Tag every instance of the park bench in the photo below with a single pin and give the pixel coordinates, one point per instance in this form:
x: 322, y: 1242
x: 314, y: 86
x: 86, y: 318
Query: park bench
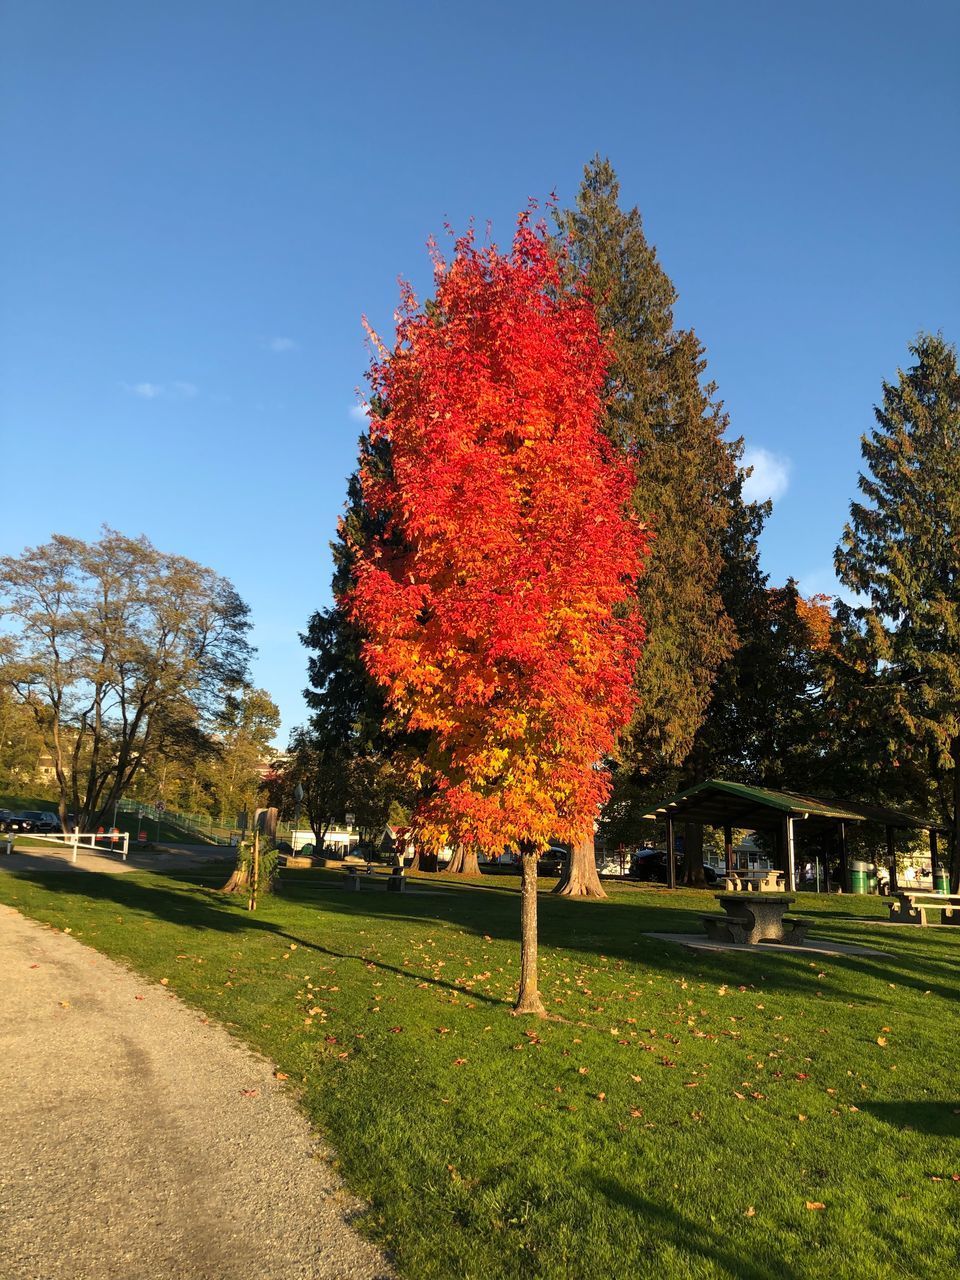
x: 394, y: 876
x: 911, y: 907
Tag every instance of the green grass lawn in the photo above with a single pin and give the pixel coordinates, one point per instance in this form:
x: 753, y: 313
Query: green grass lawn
x: 677, y: 1117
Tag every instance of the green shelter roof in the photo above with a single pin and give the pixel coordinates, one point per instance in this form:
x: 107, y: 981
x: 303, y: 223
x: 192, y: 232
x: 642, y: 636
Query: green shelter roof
x: 717, y: 803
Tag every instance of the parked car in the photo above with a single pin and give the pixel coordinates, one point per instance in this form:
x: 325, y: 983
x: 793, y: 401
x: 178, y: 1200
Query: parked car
x: 651, y: 864
x: 550, y: 862
x: 13, y: 821
x: 42, y: 821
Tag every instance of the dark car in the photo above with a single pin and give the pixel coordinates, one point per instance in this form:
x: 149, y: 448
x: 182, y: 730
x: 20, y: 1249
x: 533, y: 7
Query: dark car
x: 550, y: 862
x: 45, y: 821
x: 11, y: 821
x: 651, y: 864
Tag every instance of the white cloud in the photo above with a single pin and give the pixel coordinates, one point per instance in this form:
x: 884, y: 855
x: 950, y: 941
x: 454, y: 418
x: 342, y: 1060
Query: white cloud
x: 279, y: 346
x: 770, y: 477
x: 162, y: 390
x: 359, y: 413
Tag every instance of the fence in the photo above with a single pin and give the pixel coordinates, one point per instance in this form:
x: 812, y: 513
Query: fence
x: 97, y: 841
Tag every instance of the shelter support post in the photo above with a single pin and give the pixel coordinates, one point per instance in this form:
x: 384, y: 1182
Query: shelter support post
x: 671, y: 854
x: 934, y: 863
x: 842, y: 848
x: 728, y: 846
x: 789, y: 856
x: 892, y: 860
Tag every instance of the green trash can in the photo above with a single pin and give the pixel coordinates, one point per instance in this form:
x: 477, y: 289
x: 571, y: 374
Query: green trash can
x: 941, y: 881
x: 858, y: 876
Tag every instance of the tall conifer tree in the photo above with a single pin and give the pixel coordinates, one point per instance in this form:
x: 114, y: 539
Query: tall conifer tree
x: 667, y: 418
x: 900, y: 551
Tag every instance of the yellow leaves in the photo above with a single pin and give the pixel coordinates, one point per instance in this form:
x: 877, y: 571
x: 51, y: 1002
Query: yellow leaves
x: 814, y: 1204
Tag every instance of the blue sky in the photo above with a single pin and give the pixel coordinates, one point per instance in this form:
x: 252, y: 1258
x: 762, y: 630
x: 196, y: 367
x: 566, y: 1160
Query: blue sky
x: 203, y: 198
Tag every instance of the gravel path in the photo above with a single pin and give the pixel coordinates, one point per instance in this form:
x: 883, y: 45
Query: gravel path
x: 138, y: 1142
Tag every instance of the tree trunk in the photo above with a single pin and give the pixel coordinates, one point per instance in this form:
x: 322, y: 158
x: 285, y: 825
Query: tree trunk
x: 239, y: 880
x: 423, y: 861
x: 528, y: 997
x: 580, y: 878
x: 464, y: 861
x: 693, y: 855
x: 955, y: 833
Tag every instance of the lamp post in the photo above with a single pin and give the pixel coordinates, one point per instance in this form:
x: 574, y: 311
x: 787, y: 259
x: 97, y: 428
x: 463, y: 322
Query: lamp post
x: 298, y: 798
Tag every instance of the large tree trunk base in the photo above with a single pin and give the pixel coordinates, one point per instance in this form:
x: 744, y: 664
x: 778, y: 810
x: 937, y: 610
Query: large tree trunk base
x: 239, y: 881
x: 464, y: 863
x: 580, y: 878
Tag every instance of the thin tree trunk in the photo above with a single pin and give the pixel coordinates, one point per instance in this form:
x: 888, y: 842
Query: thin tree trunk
x: 580, y: 878
x: 464, y: 861
x: 693, y: 873
x: 955, y: 833
x: 528, y: 997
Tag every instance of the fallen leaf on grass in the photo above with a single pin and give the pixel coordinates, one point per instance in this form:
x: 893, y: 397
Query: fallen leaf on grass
x: 164, y: 982
x: 459, y: 1062
x: 815, y: 1204
x: 749, y: 1213
x: 280, y: 1075
x: 881, y: 1040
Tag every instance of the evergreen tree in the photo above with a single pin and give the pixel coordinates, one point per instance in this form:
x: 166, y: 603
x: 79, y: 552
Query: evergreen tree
x: 667, y: 418
x: 900, y: 552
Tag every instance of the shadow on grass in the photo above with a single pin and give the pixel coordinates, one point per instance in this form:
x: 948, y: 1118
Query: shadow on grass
x: 613, y: 929
x: 695, y: 1239
x: 942, y: 1119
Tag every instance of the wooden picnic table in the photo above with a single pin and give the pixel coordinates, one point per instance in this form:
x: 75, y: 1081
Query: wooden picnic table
x: 911, y: 907
x: 750, y: 918
x: 753, y: 881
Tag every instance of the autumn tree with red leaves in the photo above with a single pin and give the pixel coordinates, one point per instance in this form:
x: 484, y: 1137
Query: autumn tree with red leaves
x: 497, y: 602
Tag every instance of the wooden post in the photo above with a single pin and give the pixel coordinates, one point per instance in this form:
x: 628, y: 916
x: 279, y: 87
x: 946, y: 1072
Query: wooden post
x: 933, y: 859
x: 671, y: 854
x: 789, y: 859
x: 254, y: 871
x: 892, y: 860
x: 844, y: 870
x: 728, y: 845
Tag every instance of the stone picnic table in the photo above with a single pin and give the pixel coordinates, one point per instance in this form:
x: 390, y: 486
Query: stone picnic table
x: 750, y: 917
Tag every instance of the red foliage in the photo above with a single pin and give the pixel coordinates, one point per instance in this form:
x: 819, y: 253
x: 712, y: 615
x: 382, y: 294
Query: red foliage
x: 498, y: 601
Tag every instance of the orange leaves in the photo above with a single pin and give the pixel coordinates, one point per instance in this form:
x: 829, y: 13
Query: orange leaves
x: 497, y: 600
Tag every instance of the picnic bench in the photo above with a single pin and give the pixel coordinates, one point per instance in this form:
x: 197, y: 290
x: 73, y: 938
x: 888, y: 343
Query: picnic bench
x: 752, y: 917
x: 753, y: 881
x: 357, y: 872
x: 911, y: 907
